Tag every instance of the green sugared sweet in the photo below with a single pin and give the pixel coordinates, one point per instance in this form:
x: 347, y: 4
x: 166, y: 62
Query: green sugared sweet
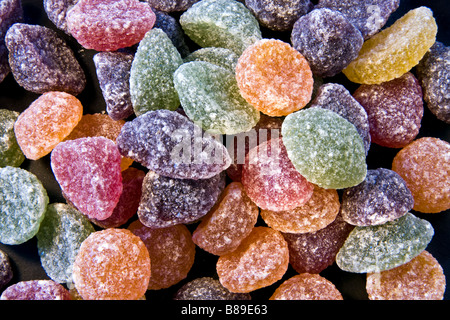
x: 10, y: 153
x: 222, y: 57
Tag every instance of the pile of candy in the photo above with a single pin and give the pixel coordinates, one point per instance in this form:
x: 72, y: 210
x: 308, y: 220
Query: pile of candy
x: 217, y: 140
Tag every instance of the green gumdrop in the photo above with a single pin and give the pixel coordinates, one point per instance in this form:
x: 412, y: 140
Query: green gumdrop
x: 10, y: 152
x: 210, y: 97
x: 222, y: 57
x: 325, y: 148
x: 151, y: 74
x: 386, y: 246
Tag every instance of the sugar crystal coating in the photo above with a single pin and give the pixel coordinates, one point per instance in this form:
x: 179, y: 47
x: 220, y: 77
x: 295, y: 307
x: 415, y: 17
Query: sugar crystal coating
x: 36, y: 290
x: 171, y: 5
x: 207, y: 288
x: 57, y: 12
x: 222, y: 57
x: 10, y: 152
x: 6, y: 271
x: 172, y: 28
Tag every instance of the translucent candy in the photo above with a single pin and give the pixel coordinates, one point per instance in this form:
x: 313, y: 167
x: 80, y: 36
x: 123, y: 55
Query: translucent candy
x: 425, y: 167
x: 6, y: 271
x: 386, y: 246
x: 172, y: 28
x: 327, y: 40
x: 394, y: 109
x: 10, y: 152
x: 41, y: 61
x: 171, y: 5
x: 171, y: 250
x: 59, y: 238
x: 260, y: 260
x: 325, y: 148
x: 274, y: 77
x: 57, y: 12
x: 23, y: 202
x: 420, y: 279
x: 36, y: 290
x: 112, y: 264
x: 222, y: 57
x: 230, y: 221
x: 207, y: 288
x: 306, y: 286
x: 395, y: 50
x: 109, y: 25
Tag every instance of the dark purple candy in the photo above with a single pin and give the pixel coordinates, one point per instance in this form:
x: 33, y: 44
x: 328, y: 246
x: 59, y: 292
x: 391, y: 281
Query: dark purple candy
x: 6, y: 272
x: 207, y: 288
x: 171, y: 5
x: 36, y: 290
x: 57, y: 11
x: 173, y: 29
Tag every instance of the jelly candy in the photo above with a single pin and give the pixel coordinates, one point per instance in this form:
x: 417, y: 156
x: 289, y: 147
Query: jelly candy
x: 274, y: 77
x: 166, y: 201
x: 36, y: 290
x: 394, y: 109
x: 327, y: 40
x: 222, y: 57
x: 112, y: 264
x: 109, y: 25
x: 420, y: 279
x: 325, y: 148
x: 260, y: 260
x: 307, y: 286
x: 385, y: 246
x: 395, y: 50
x: 57, y: 12
x: 59, y: 238
x: 172, y: 28
x: 171, y: 5
x: 171, y: 250
x: 88, y: 172
x: 221, y: 111
x: 41, y: 61
x: 424, y: 166
x: 221, y: 23
x: 46, y: 122
x: 230, y: 220
x: 207, y: 288
x: 10, y: 153
x: 23, y: 202
x: 6, y: 272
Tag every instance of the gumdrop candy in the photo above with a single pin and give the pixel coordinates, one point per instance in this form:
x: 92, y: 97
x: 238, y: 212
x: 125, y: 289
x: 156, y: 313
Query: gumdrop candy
x: 207, y: 288
x: 36, y: 290
x: 271, y: 180
x: 172, y: 28
x: 112, y: 264
x: 109, y: 25
x: 306, y: 286
x: 395, y: 50
x: 171, y: 5
x: 274, y: 77
x: 151, y: 74
x: 260, y: 260
x: 230, y: 221
x: 167, y: 201
x: 46, y: 122
x: 23, y: 202
x: 394, y: 109
x: 433, y: 73
x: 10, y: 152
x: 88, y: 172
x: 59, y: 238
x: 221, y: 23
x: 41, y: 61
x: 325, y: 148
x: 386, y: 246
x: 56, y: 11
x: 6, y: 271
x: 222, y: 111
x: 222, y: 57
x: 424, y: 166
x: 171, y: 250
x: 327, y: 40
x: 420, y: 279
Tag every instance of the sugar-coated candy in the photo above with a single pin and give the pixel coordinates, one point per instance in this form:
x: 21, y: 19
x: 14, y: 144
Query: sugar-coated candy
x: 112, y: 264
x: 259, y: 261
x: 271, y: 180
x: 151, y: 74
x: 207, y: 288
x: 325, y: 148
x: 230, y: 221
x: 156, y: 139
x: 171, y: 5
x: 23, y: 202
x: 425, y: 167
x: 327, y: 40
x: 10, y: 152
x: 386, y: 246
x: 88, y: 172
x: 6, y: 271
x: 222, y: 111
x: 36, y: 290
x: 221, y: 23
x: 433, y: 73
x: 59, y: 238
x: 420, y: 279
x: 395, y: 50
x: 306, y: 286
x: 172, y: 28
x: 46, y: 122
x: 394, y: 109
x: 109, y: 25
x: 171, y: 250
x: 274, y: 77
x: 167, y: 201
x: 383, y: 196
x: 222, y: 57
x: 56, y: 11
